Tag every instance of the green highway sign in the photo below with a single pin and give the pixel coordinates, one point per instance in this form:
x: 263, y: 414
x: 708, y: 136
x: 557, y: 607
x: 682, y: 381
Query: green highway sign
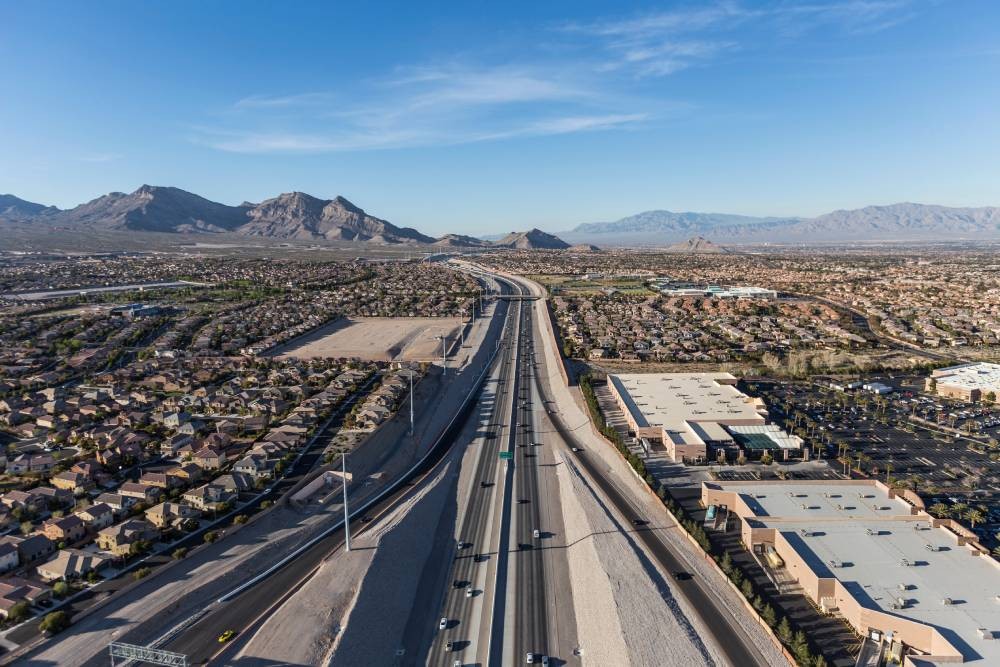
x: 507, y: 455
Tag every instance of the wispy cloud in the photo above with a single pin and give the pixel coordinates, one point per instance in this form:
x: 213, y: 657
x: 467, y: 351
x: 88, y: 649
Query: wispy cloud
x: 594, y: 83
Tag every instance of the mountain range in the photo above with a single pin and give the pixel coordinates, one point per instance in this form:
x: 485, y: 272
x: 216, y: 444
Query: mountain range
x: 896, y: 222
x: 299, y: 216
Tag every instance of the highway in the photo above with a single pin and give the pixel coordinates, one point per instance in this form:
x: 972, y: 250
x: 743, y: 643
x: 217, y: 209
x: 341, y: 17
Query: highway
x: 476, y: 554
x: 736, y: 645
x: 526, y: 604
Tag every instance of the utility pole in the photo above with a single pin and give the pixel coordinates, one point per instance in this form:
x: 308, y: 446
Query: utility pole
x: 411, y: 401
x: 347, y: 524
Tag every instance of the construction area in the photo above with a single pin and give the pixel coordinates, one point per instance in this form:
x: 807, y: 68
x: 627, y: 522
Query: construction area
x: 375, y: 339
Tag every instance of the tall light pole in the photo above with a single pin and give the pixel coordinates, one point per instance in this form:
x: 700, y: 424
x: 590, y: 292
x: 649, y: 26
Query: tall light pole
x: 347, y: 524
x: 444, y: 357
x: 411, y: 401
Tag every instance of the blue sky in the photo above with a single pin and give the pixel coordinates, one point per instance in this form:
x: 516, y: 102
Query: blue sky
x: 483, y: 117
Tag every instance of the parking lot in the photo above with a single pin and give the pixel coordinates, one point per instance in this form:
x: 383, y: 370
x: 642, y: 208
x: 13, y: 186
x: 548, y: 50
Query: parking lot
x: 946, y: 451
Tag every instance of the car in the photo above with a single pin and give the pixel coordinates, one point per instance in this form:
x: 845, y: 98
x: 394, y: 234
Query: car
x: 442, y: 624
x: 530, y: 658
x: 680, y: 575
x: 485, y: 483
x: 639, y: 522
x: 478, y: 558
x: 449, y: 646
x: 226, y: 636
x: 457, y: 663
x: 536, y: 533
x: 576, y: 449
x: 464, y: 545
x: 469, y: 592
x: 545, y: 661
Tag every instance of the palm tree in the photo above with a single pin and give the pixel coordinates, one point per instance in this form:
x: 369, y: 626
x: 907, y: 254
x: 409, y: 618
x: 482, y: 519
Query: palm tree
x: 939, y: 510
x: 974, y: 516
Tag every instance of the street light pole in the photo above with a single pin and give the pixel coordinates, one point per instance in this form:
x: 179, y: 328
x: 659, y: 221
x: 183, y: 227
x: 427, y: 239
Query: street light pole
x: 444, y: 358
x: 411, y: 401
x: 347, y: 524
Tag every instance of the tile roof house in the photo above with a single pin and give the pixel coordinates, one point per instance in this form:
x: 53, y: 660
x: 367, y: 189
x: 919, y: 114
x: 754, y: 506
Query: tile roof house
x: 68, y: 529
x: 170, y: 515
x: 98, y: 516
x: 119, y: 538
x: 71, y: 564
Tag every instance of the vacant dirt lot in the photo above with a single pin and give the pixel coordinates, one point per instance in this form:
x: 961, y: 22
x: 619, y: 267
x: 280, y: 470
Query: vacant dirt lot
x: 375, y: 338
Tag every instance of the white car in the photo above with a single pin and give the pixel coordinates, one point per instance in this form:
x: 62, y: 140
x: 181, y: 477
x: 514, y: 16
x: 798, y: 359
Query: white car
x: 443, y: 624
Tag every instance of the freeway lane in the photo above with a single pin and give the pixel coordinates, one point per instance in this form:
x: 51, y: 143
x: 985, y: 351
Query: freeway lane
x: 737, y: 647
x: 468, y: 570
x: 531, y: 627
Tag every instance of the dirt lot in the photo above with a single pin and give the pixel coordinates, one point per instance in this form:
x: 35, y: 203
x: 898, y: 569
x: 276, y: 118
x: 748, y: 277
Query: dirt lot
x: 376, y: 338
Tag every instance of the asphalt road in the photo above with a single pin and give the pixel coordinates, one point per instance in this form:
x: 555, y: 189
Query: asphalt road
x: 455, y: 642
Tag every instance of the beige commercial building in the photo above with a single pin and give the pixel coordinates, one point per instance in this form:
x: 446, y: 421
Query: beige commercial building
x: 686, y: 411
x: 967, y: 382
x: 922, y: 588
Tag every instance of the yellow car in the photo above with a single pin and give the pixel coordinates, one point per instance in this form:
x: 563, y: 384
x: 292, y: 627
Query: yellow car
x: 226, y: 636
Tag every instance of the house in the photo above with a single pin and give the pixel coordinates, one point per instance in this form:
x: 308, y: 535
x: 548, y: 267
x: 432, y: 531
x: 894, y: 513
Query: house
x: 30, y: 548
x: 116, y: 501
x: 209, y: 458
x: 9, y: 557
x: 235, y: 482
x: 118, y: 539
x: 175, y: 443
x: 209, y: 497
x: 31, y: 463
x: 53, y: 498
x: 140, y: 492
x: 26, y: 499
x: 258, y: 467
x: 72, y: 564
x: 170, y: 515
x: 68, y: 529
x: 162, y: 480
x: 97, y: 517
x: 74, y: 482
x: 14, y: 590
x: 188, y: 473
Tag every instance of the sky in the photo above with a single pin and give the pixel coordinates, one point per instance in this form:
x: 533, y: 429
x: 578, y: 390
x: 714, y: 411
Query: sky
x: 484, y: 117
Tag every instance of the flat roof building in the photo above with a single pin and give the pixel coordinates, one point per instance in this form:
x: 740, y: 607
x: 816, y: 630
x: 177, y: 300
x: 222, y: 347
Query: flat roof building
x: 688, y: 412
x: 922, y: 586
x: 967, y: 382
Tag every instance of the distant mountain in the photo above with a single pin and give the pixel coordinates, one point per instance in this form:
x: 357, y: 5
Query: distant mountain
x: 296, y: 215
x: 584, y: 247
x: 152, y: 209
x: 293, y: 215
x: 461, y: 241
x: 697, y: 245
x: 896, y: 222
x: 533, y: 239
x: 17, y: 209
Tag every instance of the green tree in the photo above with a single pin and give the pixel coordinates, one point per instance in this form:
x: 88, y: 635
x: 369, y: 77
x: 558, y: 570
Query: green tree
x: 747, y: 589
x: 784, y: 630
x: 726, y: 563
x: 240, y: 519
x: 210, y: 537
x: 60, y: 589
x: 55, y: 622
x: 974, y: 516
x: 179, y: 553
x: 768, y: 615
x: 141, y: 573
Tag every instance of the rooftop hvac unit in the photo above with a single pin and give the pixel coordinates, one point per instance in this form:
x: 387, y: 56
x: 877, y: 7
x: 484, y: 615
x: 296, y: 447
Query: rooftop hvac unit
x: 932, y: 547
x: 947, y: 602
x: 805, y: 532
x: 836, y: 564
x: 896, y: 605
x: 985, y: 634
x: 871, y: 531
x: 903, y: 587
x: 905, y: 562
x: 901, y: 602
x: 839, y: 506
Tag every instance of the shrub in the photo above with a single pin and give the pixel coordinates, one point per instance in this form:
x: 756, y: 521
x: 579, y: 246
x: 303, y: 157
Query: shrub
x: 240, y: 519
x: 60, y: 589
x: 210, y: 537
x: 141, y: 573
x: 784, y: 630
x: 179, y: 553
x: 55, y: 622
x: 18, y: 612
